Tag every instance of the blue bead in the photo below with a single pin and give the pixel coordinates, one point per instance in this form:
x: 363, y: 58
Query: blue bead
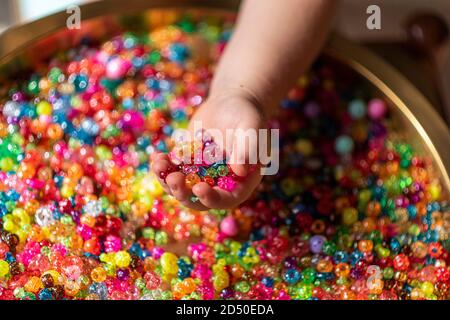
x: 395, y: 245
x: 10, y: 257
x: 412, y: 211
x: 344, y: 145
x: 145, y: 254
x: 58, y: 180
x: 178, y: 52
x: 167, y: 130
x: 267, y: 281
x: 45, y: 294
x: 340, y: 256
x: 355, y: 257
x: 13, y: 195
x: 128, y: 103
x: 165, y: 85
x: 137, y: 62
x: 80, y: 82
x: 152, y: 84
x: 291, y: 276
x: 357, y: 108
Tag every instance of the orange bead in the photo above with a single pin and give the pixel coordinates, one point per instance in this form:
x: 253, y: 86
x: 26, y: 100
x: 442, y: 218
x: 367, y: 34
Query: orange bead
x: 365, y: 246
x: 75, y: 171
x: 3, y: 130
x: 26, y: 170
x: 71, y: 288
x: 324, y: 266
x: 191, y: 180
x: 373, y: 209
x: 34, y: 284
x: 31, y: 206
x: 342, y: 270
x: 55, y: 132
x: 88, y: 220
x: 188, y: 285
x: 98, y: 274
x: 36, y: 234
x: 318, y: 226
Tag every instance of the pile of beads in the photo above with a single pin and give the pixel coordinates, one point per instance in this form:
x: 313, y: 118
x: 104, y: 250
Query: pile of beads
x: 354, y: 212
x: 202, y: 165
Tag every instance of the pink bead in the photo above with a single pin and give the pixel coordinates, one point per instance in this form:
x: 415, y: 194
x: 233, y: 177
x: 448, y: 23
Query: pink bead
x: 226, y: 183
x: 112, y: 244
x: 84, y: 231
x: 117, y: 68
x: 229, y: 226
x: 132, y: 120
x: 60, y: 249
x: 376, y: 108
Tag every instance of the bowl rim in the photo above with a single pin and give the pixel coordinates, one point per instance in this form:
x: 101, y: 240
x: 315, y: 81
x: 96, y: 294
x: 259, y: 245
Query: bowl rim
x: 429, y: 125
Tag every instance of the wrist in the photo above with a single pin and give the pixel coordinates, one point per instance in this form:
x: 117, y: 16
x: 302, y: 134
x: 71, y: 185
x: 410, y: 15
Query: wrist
x: 229, y: 94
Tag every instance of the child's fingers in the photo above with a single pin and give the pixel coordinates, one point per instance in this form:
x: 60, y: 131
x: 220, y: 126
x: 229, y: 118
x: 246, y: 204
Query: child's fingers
x: 244, y: 154
x: 213, y: 197
x: 177, y: 186
x: 194, y: 205
x: 157, y: 168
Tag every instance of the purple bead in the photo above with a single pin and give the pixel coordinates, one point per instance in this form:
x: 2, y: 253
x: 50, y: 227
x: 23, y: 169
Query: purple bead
x: 312, y: 110
x: 122, y: 274
x: 227, y: 293
x: 316, y: 243
x: 290, y: 262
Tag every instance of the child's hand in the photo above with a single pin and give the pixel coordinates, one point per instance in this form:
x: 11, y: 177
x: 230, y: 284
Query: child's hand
x: 233, y: 110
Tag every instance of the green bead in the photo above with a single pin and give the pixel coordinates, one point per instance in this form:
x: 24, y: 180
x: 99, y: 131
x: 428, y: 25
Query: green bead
x: 33, y: 87
x: 55, y: 75
x: 211, y: 172
x: 148, y: 233
x: 242, y: 286
x: 161, y: 238
x: 186, y: 25
x: 308, y: 275
x: 222, y: 170
x: 66, y: 219
x: 154, y: 57
x: 304, y: 291
x: 388, y: 273
x: 329, y: 248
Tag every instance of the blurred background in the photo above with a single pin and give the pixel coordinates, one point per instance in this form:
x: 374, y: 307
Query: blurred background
x: 414, y: 36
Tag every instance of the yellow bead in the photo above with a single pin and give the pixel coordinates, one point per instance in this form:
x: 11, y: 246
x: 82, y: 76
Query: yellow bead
x: 6, y: 164
x: 57, y: 277
x: 4, y: 268
x: 98, y: 274
x: 304, y: 147
x: 427, y: 288
x: 22, y: 215
x: 435, y: 191
x: 67, y: 191
x: 169, y: 263
x: 9, y: 226
x: 221, y: 281
x: 122, y: 259
x: 71, y: 288
x: 349, y: 216
x: 34, y: 284
x: 44, y: 108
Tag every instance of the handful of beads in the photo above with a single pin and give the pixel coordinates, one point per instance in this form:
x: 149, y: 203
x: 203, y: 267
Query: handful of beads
x: 201, y: 160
